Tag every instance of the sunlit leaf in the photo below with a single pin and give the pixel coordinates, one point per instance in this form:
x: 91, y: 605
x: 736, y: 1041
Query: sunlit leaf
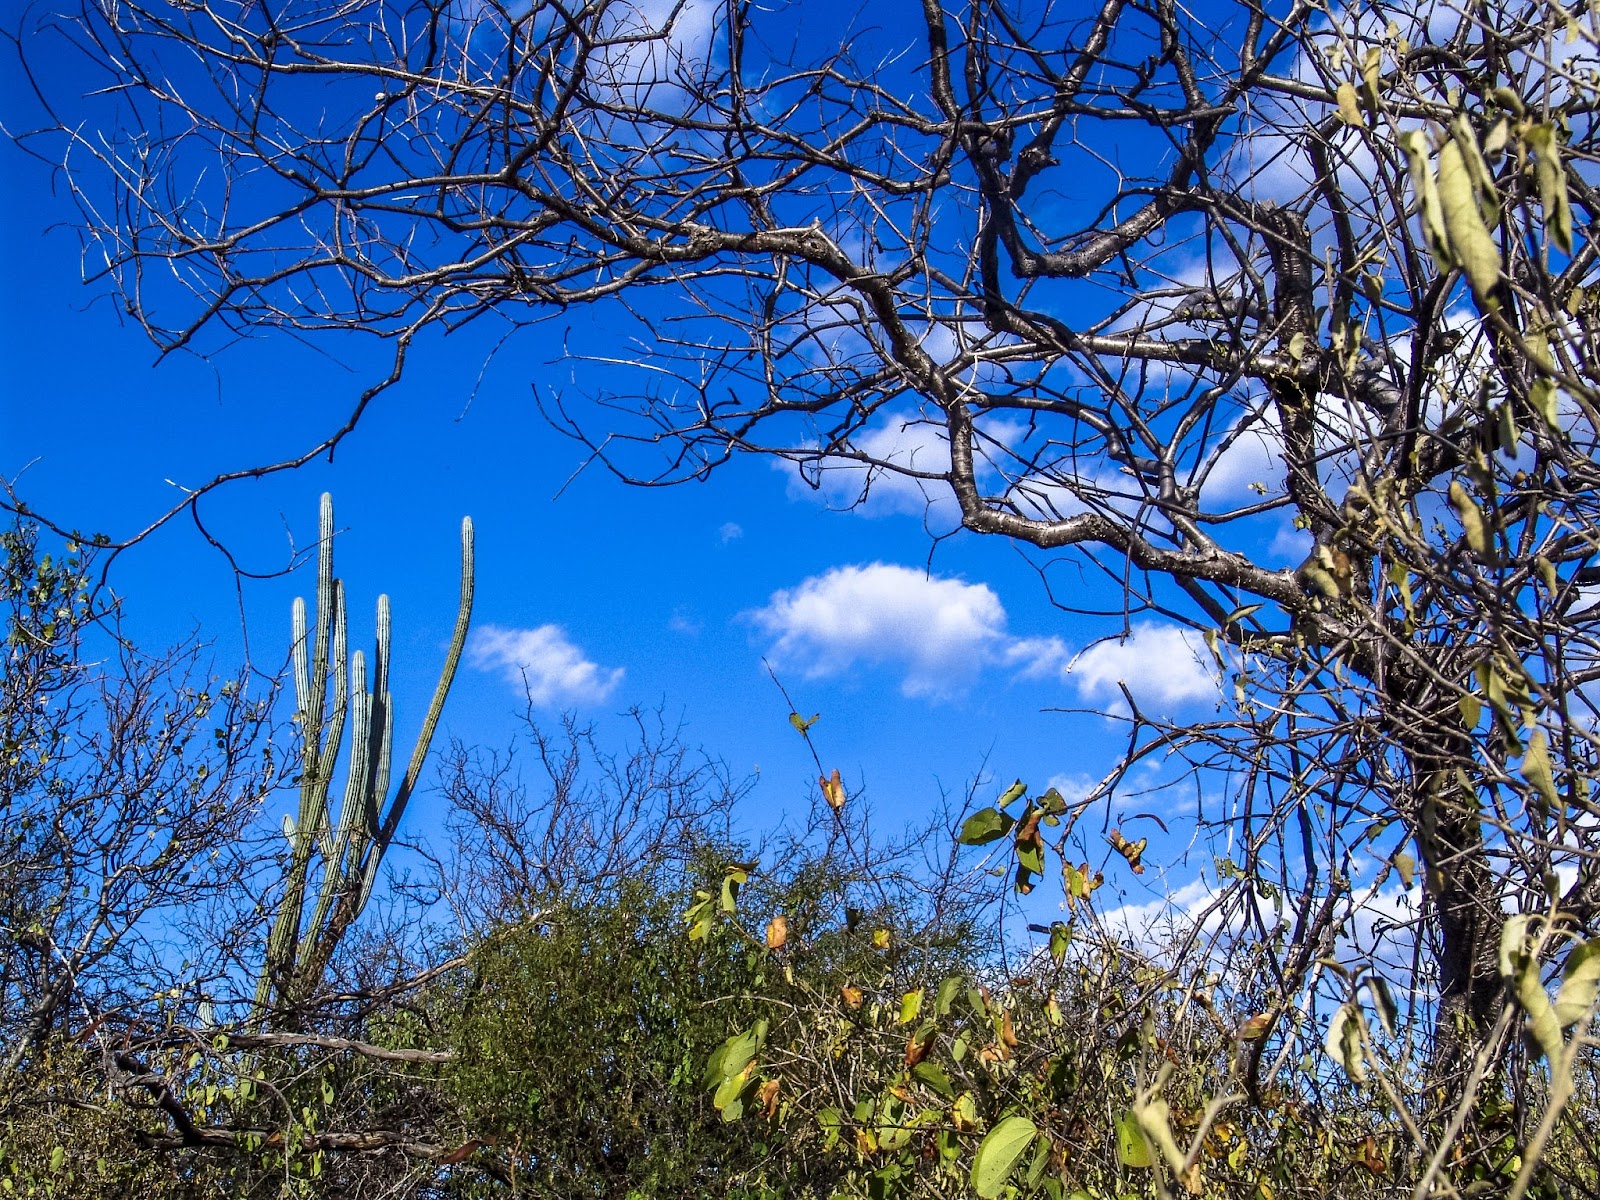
x: 802, y: 725
x: 999, y: 1153
x: 1471, y: 516
x: 1471, y: 246
x: 1580, y: 980
x: 911, y: 1006
x: 1536, y: 768
x: 1552, y: 180
x: 777, y: 932
x: 1133, y: 1148
x: 1349, y: 109
x: 1012, y: 794
x: 1155, y: 1122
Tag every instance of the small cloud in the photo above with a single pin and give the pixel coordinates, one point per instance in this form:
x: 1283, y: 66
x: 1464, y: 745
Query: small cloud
x: 682, y: 621
x: 1161, y: 665
x: 730, y: 531
x: 1036, y: 658
x: 939, y: 632
x: 553, y: 671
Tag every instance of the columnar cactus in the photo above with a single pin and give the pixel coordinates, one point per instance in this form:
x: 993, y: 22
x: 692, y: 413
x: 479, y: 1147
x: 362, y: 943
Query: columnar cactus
x: 350, y: 844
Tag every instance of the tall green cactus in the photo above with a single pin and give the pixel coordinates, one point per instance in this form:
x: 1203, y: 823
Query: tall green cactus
x: 352, y: 843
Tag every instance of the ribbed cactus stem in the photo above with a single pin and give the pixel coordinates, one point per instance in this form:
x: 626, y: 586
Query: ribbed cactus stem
x: 352, y: 842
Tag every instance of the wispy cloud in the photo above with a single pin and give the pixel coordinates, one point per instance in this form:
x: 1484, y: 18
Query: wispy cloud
x: 545, y: 663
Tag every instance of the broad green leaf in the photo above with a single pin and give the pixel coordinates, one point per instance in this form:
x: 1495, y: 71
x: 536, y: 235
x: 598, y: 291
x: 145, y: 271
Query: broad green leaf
x: 730, y: 890
x: 933, y: 1077
x: 985, y: 826
x: 1406, y: 866
x: 1477, y: 170
x: 1536, y: 768
x: 1471, y: 247
x: 948, y: 991
x: 1513, y: 944
x: 911, y: 1006
x: 1580, y: 980
x: 1471, y: 709
x: 1133, y: 1148
x: 1013, y: 793
x: 999, y: 1154
x: 734, y: 1055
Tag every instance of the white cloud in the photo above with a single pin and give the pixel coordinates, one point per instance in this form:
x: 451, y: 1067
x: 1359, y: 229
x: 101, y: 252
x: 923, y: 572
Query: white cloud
x: 940, y: 632
x: 874, y: 481
x: 730, y: 531
x: 1162, y: 665
x: 544, y: 662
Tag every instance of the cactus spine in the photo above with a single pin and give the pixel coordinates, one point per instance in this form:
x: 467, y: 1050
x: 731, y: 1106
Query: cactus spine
x: 351, y: 844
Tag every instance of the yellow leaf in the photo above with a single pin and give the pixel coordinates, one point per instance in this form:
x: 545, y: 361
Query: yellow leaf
x: 832, y: 790
x: 1349, y: 110
x: 777, y: 932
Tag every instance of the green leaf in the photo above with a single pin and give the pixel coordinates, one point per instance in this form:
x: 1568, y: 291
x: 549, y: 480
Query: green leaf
x: 933, y: 1077
x: 1349, y: 110
x: 1013, y: 793
x: 1431, y: 213
x: 985, y: 826
x: 1060, y: 938
x: 1471, y: 247
x: 1544, y: 1028
x: 1383, y: 1002
x: 999, y: 1154
x: 1552, y: 179
x: 1406, y: 866
x: 1345, y: 1041
x: 1471, y: 709
x: 1536, y: 768
x: 948, y: 991
x: 1542, y: 399
x: 802, y: 725
x: 1133, y: 1148
x: 1471, y: 515
x: 1580, y: 981
x: 910, y: 1006
x: 731, y: 1058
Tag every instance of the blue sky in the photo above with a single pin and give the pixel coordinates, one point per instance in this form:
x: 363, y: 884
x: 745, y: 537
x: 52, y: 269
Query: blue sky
x: 926, y: 671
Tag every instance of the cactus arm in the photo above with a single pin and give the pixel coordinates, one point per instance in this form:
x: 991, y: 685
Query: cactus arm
x: 382, y: 722
x: 333, y: 728
x: 345, y: 847
x: 458, y: 641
